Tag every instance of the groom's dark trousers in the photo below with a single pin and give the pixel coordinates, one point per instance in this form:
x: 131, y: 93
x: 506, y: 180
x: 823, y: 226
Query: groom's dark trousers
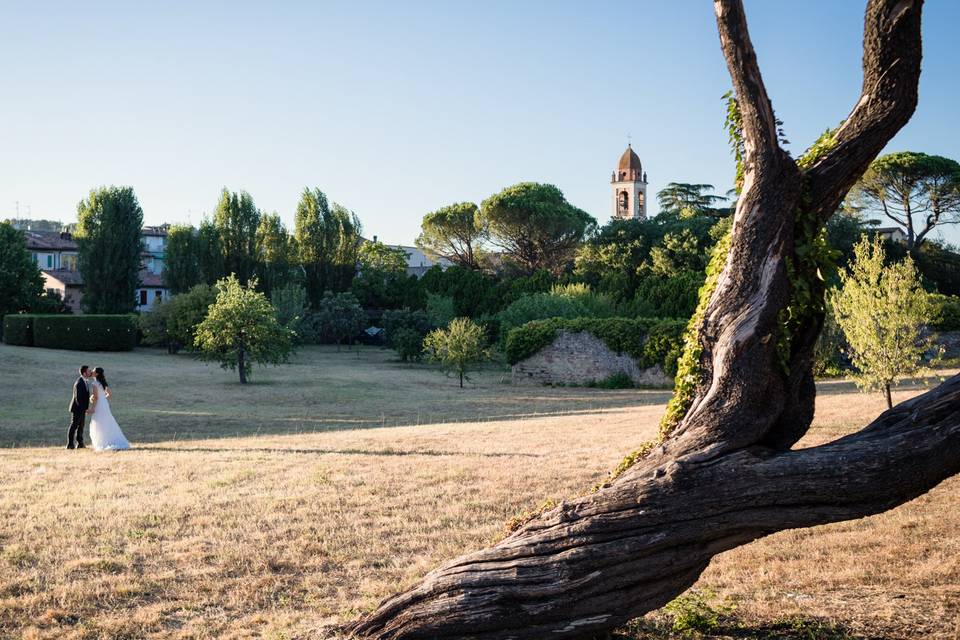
x: 78, y: 410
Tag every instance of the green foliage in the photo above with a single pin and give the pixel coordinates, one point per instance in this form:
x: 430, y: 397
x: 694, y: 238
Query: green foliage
x: 829, y: 347
x: 697, y: 611
x: 275, y: 254
x: 458, y: 347
x: 915, y: 191
x: 408, y: 343
x: 948, y: 313
x: 383, y: 282
x: 882, y: 310
x: 455, y: 232
x: 940, y: 267
x: 181, y: 266
x: 673, y: 296
x: 560, y: 302
x: 209, y: 253
x: 18, y: 329
x: 340, y: 317
x: 293, y: 311
x: 109, y: 249
x: 50, y: 302
x: 440, y: 309
x: 650, y: 341
x: 733, y: 123
x: 685, y: 200
x: 397, y: 319
x: 474, y: 293
x: 21, y: 284
x: 90, y: 332
x: 535, y: 225
x: 618, y: 380
x: 237, y: 218
x: 328, y: 242
x: 241, y: 328
x: 173, y: 322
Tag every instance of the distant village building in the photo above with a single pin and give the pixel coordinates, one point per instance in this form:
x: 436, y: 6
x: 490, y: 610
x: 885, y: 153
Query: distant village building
x: 629, y: 185
x: 418, y: 263
x: 893, y: 234
x: 56, y: 256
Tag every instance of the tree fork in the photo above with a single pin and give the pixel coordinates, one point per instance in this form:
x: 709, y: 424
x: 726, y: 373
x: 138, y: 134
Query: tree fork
x: 726, y: 475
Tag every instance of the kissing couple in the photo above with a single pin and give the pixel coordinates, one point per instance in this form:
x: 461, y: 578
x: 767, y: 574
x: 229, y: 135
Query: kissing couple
x: 91, y: 395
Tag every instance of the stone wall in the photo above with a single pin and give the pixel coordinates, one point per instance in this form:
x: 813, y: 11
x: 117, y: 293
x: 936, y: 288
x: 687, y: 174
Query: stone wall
x: 580, y: 358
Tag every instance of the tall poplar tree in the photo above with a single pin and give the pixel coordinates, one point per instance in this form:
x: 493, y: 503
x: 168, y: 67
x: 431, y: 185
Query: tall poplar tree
x: 209, y: 253
x: 182, y: 262
x: 20, y: 281
x: 236, y: 219
x: 109, y: 223
x: 274, y: 253
x: 328, y: 244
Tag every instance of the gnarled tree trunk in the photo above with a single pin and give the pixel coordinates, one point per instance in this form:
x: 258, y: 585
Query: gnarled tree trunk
x: 726, y: 475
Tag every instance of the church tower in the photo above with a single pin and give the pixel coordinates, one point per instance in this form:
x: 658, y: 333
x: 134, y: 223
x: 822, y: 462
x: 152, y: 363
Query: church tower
x: 629, y: 184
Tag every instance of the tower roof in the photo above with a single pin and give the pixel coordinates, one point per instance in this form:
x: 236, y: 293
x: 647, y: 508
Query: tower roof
x: 629, y: 161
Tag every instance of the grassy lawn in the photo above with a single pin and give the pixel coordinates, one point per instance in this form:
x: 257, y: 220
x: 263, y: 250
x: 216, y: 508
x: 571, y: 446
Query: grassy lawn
x: 280, y: 509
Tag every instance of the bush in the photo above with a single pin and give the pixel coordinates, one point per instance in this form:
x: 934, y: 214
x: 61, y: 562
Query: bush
x: 408, y: 343
x: 18, y: 329
x: 618, y: 380
x: 92, y: 332
x: 672, y: 297
x: 650, y: 341
x: 949, y: 316
x: 398, y: 319
x: 563, y: 301
x: 440, y: 309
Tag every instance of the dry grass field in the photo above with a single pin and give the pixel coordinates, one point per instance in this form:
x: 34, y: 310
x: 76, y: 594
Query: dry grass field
x: 281, y: 509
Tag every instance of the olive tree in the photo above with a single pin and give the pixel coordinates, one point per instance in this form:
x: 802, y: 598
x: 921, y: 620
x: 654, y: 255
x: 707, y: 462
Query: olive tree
x: 723, y: 471
x: 458, y: 347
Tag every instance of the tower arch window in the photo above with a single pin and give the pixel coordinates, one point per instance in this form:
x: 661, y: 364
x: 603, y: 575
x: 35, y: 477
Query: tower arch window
x: 623, y: 201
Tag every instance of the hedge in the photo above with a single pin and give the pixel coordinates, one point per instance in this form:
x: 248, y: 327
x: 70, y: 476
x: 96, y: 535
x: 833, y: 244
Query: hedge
x: 18, y: 329
x: 85, y: 332
x: 650, y: 341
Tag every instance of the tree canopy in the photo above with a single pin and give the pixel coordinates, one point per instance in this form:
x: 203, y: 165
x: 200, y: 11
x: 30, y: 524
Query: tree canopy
x: 536, y: 226
x: 236, y: 219
x: 916, y: 191
x: 21, y: 283
x: 689, y: 200
x: 241, y: 328
x: 182, y: 260
x: 456, y: 233
x: 328, y: 243
x: 109, y: 223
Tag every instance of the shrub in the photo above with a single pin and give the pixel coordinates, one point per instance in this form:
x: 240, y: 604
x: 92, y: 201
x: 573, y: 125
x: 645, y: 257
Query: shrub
x: 440, y: 309
x: 650, y: 341
x: 92, y: 332
x: 397, y: 319
x: 18, y: 329
x: 408, y: 343
x: 563, y: 301
x: 618, y: 380
x: 458, y: 347
x: 695, y: 611
x: 949, y: 316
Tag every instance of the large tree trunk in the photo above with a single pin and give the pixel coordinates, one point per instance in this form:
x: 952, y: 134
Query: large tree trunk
x: 726, y: 475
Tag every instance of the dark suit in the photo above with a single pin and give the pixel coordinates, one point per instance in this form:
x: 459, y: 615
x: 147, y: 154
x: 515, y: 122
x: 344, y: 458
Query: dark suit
x: 78, y: 409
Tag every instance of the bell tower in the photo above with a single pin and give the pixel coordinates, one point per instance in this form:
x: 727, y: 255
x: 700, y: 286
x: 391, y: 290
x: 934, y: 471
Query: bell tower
x: 629, y: 184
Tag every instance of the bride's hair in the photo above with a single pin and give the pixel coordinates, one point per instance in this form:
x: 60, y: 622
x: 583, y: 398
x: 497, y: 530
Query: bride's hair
x: 100, y: 377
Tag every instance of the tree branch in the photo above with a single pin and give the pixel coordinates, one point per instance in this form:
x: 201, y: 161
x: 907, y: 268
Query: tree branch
x: 759, y: 123
x: 891, y: 72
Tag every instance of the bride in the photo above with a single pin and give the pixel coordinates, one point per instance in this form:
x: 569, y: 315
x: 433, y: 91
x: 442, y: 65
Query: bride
x: 105, y: 433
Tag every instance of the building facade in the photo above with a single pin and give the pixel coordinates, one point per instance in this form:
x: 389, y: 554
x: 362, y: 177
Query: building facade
x: 629, y: 186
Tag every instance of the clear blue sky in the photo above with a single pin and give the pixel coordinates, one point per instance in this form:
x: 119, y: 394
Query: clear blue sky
x: 397, y: 108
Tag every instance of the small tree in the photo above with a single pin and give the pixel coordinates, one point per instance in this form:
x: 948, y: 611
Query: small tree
x: 408, y: 343
x: 881, y: 310
x: 241, y: 328
x: 457, y: 347
x: 293, y: 311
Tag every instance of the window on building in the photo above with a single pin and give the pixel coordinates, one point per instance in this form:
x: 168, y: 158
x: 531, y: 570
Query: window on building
x: 49, y: 261
x: 143, y: 296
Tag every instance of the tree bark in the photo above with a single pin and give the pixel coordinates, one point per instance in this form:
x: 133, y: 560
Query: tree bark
x: 727, y: 474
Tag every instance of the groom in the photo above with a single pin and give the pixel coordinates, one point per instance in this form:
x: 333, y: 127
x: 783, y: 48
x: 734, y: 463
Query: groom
x: 79, y: 408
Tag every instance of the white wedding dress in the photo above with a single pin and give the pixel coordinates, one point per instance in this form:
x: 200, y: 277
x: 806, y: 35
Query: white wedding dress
x: 105, y: 433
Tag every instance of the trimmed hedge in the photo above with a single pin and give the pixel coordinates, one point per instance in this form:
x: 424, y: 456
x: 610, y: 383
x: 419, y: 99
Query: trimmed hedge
x: 85, y: 332
x: 18, y: 329
x: 650, y: 341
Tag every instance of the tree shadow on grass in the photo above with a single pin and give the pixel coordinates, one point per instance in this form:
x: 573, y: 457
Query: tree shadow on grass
x: 731, y: 628
x: 345, y: 452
